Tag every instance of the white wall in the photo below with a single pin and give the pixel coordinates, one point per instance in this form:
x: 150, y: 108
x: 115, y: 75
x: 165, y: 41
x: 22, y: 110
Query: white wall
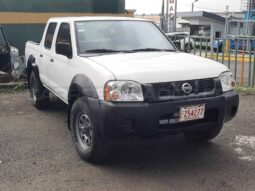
x: 218, y: 27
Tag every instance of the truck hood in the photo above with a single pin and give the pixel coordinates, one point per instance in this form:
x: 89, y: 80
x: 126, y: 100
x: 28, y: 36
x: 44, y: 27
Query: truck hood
x: 153, y: 67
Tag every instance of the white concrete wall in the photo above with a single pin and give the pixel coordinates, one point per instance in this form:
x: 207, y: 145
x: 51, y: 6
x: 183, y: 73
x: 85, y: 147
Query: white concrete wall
x: 218, y: 27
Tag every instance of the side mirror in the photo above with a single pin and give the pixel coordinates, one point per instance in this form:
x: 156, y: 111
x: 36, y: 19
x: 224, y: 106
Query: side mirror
x: 64, y: 49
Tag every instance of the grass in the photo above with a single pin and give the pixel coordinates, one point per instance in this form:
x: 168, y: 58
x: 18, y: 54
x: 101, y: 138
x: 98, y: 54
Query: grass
x: 12, y: 88
x: 245, y: 90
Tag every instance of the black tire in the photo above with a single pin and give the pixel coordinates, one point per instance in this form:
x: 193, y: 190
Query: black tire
x: 39, y: 94
x: 89, y: 143
x: 204, y: 135
x: 188, y: 48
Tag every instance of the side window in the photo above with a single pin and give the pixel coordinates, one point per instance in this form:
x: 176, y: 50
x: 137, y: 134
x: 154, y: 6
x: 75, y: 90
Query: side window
x: 50, y: 35
x: 63, y: 43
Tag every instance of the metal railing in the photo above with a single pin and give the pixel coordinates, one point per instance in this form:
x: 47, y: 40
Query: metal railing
x: 235, y: 52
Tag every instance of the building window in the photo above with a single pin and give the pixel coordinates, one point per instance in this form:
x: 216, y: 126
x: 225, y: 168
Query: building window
x: 217, y: 34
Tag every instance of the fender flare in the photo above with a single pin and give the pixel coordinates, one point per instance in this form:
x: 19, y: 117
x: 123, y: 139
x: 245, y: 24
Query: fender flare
x: 81, y: 85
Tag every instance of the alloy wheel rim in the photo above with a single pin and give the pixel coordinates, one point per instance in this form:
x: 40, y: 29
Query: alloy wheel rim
x: 84, y: 131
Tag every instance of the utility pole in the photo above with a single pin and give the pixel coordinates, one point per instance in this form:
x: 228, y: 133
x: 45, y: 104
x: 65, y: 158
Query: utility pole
x: 248, y: 17
x: 162, y: 17
x: 193, y: 4
x: 175, y: 16
x: 167, y: 16
x: 249, y: 9
x: 226, y: 20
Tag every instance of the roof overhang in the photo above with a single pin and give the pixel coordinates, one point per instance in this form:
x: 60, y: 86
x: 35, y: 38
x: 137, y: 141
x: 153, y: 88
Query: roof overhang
x: 201, y: 14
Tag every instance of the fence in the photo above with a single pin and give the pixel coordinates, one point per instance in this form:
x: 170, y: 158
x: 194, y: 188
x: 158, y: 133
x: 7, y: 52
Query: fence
x: 236, y: 52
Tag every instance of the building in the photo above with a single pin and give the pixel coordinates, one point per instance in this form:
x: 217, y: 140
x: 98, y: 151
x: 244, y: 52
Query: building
x: 202, y: 23
x: 248, y: 7
x: 25, y: 19
x: 196, y: 23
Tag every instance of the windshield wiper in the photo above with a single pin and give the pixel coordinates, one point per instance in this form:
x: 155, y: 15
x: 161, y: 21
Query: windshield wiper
x: 153, y: 50
x: 102, y: 51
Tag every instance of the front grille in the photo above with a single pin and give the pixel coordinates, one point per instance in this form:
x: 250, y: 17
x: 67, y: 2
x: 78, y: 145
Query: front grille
x: 175, y: 88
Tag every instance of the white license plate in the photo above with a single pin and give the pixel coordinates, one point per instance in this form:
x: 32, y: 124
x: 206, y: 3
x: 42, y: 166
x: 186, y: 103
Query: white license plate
x: 191, y: 113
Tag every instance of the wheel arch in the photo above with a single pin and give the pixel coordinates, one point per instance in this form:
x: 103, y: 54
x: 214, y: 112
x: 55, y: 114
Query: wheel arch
x: 31, y: 66
x: 81, y: 85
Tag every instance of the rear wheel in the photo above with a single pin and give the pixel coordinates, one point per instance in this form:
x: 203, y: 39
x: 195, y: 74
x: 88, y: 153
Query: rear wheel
x: 90, y: 145
x: 204, y: 135
x: 39, y: 94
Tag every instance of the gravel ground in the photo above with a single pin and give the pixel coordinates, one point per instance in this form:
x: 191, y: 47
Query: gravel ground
x: 37, y: 153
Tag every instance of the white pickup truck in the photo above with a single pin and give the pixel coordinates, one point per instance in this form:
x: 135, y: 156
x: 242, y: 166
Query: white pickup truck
x: 123, y: 76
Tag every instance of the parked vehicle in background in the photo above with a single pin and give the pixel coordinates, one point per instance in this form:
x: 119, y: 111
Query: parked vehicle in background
x: 119, y: 81
x: 8, y: 55
x: 186, y: 43
x: 218, y: 45
x: 242, y: 44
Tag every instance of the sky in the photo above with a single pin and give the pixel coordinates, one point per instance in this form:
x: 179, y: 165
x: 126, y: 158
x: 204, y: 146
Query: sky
x: 154, y: 6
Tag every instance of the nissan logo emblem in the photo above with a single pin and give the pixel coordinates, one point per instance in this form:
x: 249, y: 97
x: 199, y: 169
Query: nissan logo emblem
x: 187, y: 88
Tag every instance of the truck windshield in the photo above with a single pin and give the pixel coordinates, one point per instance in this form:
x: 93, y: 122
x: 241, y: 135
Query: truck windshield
x: 120, y: 36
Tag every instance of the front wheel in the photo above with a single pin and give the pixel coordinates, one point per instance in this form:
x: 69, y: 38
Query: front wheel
x: 89, y: 143
x: 204, y: 135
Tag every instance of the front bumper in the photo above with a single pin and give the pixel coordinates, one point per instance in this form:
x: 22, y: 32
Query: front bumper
x: 143, y: 119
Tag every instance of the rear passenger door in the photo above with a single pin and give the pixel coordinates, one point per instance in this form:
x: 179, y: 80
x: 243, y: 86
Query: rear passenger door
x: 60, y: 64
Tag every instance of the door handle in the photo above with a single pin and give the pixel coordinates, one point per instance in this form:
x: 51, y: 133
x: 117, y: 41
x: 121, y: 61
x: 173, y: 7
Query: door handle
x: 41, y: 55
x: 52, y: 60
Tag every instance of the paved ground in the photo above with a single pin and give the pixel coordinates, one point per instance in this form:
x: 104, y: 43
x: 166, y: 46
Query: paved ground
x: 37, y: 153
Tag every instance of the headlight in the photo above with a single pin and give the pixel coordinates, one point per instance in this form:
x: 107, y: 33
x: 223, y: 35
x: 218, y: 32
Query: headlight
x: 123, y: 91
x: 227, y: 81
